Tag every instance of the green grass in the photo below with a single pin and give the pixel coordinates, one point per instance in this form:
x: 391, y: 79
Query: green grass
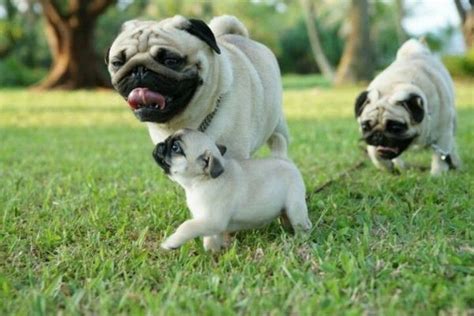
x: 298, y: 82
x: 83, y: 209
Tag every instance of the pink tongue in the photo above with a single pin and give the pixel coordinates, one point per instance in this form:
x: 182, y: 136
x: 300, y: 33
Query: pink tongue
x: 393, y: 150
x: 143, y: 96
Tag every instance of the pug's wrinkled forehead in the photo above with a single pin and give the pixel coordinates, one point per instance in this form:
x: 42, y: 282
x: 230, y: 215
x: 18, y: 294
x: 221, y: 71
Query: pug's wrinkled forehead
x: 142, y: 36
x: 404, y: 101
x: 176, y: 33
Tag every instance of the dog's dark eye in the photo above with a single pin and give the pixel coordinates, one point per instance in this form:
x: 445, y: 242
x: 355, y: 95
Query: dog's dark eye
x: 170, y: 59
x: 171, y: 62
x: 366, y: 126
x: 176, y: 148
x: 117, y: 63
x: 119, y: 60
x: 395, y: 127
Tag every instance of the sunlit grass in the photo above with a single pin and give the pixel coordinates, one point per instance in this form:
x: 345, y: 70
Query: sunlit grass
x: 83, y: 209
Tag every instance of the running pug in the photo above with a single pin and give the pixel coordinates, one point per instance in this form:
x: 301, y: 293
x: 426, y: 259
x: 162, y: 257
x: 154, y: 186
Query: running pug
x: 226, y: 195
x: 410, y: 103
x: 181, y: 73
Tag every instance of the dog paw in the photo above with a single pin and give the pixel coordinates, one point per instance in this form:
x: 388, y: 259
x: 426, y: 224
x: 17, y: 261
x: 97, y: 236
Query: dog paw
x: 213, y: 243
x: 169, y: 245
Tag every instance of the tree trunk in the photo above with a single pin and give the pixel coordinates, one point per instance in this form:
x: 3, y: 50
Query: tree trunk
x: 357, y: 62
x: 468, y: 29
x: 316, y: 47
x: 71, y: 41
x: 467, y: 21
x: 401, y: 33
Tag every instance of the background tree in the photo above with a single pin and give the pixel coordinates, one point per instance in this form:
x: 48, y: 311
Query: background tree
x: 26, y: 57
x: 401, y: 11
x: 313, y: 36
x: 11, y: 31
x: 357, y: 62
x: 466, y: 13
x: 70, y: 34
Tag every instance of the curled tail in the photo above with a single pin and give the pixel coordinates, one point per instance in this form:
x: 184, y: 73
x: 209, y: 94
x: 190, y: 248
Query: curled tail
x: 228, y: 24
x: 413, y: 47
x: 278, y: 144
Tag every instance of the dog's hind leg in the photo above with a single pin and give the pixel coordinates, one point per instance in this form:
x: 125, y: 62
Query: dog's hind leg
x: 278, y: 141
x: 297, y: 212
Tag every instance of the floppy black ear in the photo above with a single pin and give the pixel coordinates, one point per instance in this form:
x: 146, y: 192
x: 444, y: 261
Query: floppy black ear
x: 106, y: 56
x: 414, y: 105
x: 222, y: 149
x: 360, y: 103
x: 212, y: 165
x: 200, y: 29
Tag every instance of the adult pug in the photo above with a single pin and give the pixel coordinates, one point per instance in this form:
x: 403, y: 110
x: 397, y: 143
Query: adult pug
x: 181, y: 73
x: 410, y: 103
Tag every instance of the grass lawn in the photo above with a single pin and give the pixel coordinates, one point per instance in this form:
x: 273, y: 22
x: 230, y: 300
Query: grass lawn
x: 83, y: 209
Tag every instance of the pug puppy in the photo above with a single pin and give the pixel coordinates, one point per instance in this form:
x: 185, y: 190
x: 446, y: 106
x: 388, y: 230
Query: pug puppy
x: 410, y: 103
x: 181, y: 73
x: 227, y: 195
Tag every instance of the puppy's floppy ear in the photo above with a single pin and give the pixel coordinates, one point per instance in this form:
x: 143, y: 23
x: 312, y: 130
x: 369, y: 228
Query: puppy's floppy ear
x: 222, y: 149
x: 212, y: 165
x: 360, y: 102
x: 106, y: 56
x: 200, y: 29
x: 414, y: 105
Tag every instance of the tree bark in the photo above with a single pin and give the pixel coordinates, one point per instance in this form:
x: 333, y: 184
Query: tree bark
x: 401, y: 33
x: 316, y: 47
x: 466, y: 13
x: 70, y: 37
x: 357, y: 62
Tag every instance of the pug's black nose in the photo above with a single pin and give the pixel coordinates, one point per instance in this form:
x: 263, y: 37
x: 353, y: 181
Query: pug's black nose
x: 376, y: 139
x: 139, y: 72
x: 159, y: 151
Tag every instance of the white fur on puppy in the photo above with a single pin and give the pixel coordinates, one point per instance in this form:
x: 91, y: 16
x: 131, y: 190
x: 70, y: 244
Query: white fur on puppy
x: 227, y: 195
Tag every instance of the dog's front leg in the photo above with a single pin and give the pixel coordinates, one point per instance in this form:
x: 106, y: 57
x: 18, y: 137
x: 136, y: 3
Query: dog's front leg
x: 383, y: 164
x: 213, y: 243
x: 191, y: 229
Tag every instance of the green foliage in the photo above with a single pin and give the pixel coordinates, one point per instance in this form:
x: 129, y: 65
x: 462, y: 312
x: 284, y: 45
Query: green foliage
x: 109, y: 24
x: 295, y: 52
x: 278, y: 24
x: 13, y: 73
x: 460, y: 66
x: 385, y: 39
x: 83, y: 209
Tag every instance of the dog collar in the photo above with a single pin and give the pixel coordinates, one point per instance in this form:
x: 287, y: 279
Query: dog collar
x: 208, y: 119
x: 444, y: 155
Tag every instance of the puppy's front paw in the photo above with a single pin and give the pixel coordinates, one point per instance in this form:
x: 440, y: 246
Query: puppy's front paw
x: 170, y: 244
x: 213, y: 243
